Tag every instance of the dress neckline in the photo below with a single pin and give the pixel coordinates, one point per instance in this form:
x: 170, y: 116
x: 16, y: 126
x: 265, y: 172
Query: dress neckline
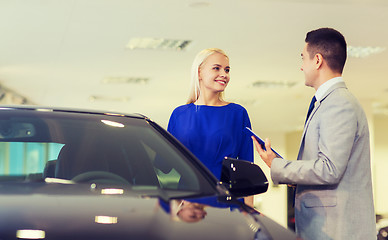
x: 203, y: 105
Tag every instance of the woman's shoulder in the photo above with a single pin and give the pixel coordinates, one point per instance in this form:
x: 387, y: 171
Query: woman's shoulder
x: 183, y: 108
x: 178, y: 113
x: 237, y: 107
x: 238, y: 110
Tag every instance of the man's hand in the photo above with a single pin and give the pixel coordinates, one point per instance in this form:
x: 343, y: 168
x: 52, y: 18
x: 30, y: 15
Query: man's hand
x: 267, y: 155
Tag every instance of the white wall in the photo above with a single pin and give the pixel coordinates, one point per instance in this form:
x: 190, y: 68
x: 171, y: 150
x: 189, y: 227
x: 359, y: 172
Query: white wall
x: 381, y: 163
x: 273, y: 203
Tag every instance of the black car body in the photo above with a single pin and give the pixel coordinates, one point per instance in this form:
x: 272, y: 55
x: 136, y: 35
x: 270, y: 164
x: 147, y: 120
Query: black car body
x: 74, y: 174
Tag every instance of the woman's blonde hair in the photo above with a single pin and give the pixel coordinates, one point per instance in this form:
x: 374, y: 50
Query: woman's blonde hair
x: 194, y: 91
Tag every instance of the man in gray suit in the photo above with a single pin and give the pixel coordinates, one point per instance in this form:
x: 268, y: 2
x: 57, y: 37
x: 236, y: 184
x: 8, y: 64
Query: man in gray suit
x: 332, y: 175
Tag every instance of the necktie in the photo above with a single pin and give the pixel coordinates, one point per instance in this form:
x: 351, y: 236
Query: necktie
x: 311, y: 107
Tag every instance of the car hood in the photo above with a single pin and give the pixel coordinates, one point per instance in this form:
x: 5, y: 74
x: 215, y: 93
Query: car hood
x: 55, y: 211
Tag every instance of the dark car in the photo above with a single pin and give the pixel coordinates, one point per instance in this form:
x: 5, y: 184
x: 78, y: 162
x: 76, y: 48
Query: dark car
x: 74, y: 174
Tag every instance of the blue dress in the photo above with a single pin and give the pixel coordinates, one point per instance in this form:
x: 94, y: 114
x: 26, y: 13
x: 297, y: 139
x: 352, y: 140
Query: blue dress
x: 212, y: 133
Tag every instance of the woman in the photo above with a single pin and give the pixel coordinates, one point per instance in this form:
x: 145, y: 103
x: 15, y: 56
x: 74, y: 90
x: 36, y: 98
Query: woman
x: 207, y: 125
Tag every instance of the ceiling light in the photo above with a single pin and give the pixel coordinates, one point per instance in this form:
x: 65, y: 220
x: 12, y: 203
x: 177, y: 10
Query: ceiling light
x: 157, y: 43
x: 361, y: 52
x: 279, y: 84
x: 118, y: 80
x: 8, y: 96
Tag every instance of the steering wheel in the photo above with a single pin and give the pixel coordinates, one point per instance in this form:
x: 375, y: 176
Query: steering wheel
x: 100, y: 177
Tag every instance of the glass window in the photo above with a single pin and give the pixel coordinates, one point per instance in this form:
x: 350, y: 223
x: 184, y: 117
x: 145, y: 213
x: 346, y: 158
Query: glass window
x: 22, y: 158
x: 94, y: 148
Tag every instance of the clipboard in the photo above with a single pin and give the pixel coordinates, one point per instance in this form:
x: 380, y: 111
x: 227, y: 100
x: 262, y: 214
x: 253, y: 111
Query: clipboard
x: 261, y: 142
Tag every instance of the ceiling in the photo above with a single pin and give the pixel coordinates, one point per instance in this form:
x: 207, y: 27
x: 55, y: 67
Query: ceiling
x: 58, y: 53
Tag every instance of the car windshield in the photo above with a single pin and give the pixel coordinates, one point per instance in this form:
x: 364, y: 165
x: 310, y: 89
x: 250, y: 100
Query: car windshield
x: 71, y: 147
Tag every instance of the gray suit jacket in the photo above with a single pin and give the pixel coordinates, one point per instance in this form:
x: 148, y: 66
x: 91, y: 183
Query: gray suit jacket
x: 334, y: 198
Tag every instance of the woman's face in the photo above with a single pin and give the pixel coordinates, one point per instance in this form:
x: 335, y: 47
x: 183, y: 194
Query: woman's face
x: 214, y: 73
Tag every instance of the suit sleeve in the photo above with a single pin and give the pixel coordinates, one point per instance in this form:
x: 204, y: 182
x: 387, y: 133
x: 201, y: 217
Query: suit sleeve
x: 327, y: 146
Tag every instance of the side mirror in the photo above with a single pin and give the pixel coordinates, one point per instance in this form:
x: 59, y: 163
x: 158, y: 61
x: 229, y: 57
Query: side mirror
x: 243, y: 178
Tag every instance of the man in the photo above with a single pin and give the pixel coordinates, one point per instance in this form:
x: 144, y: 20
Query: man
x: 333, y: 198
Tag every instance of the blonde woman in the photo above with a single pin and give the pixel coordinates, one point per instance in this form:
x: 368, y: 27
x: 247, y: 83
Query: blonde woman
x: 207, y: 125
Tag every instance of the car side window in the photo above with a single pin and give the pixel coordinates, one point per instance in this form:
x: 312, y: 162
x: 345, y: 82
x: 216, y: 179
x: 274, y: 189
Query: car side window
x: 172, y: 173
x: 168, y: 177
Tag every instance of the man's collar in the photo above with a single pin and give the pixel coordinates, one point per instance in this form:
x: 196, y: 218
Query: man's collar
x: 319, y: 94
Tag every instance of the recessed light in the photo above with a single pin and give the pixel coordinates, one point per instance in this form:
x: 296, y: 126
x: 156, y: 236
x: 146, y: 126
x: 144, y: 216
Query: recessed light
x: 361, y: 52
x: 157, y: 43
x: 8, y: 96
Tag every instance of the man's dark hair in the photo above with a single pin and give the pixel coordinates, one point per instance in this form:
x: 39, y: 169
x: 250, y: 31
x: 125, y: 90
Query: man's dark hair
x: 330, y: 44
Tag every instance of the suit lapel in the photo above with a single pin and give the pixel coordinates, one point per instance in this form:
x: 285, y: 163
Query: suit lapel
x: 317, y: 105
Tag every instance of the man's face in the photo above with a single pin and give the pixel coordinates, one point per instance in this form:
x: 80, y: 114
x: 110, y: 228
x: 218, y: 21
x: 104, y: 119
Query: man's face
x: 309, y: 67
